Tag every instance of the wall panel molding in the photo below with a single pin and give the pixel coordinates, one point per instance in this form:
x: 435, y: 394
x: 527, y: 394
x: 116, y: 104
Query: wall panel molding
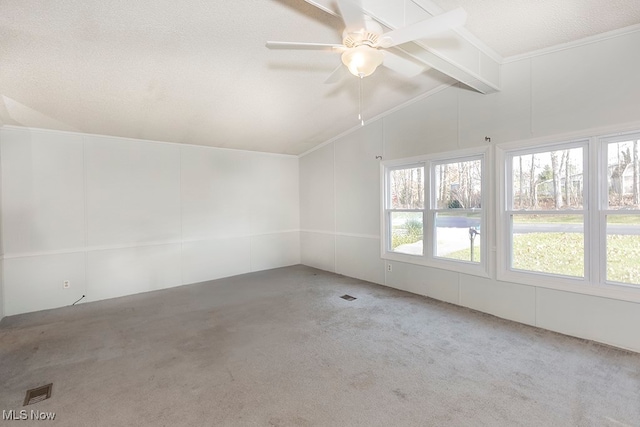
x: 125, y: 202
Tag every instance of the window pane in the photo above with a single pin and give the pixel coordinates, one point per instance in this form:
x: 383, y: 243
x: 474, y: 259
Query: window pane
x: 458, y: 185
x: 458, y: 236
x: 406, y: 232
x: 549, y: 180
x: 548, y: 244
x: 623, y: 249
x: 406, y: 188
x: 623, y: 172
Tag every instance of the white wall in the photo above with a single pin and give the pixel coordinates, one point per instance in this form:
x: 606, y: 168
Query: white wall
x: 118, y: 216
x: 339, y: 206
x: 588, y: 86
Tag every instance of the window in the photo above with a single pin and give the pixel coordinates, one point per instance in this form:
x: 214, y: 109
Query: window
x: 621, y: 209
x: 546, y: 210
x: 433, y: 211
x: 571, y: 212
x: 456, y: 209
x: 406, y: 209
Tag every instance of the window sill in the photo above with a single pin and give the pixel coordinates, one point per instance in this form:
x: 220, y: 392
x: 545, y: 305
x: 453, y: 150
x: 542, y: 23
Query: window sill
x: 629, y: 293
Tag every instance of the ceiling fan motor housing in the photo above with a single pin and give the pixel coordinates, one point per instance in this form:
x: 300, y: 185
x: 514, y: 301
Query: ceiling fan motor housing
x: 360, y: 38
x: 362, y: 56
x: 368, y: 36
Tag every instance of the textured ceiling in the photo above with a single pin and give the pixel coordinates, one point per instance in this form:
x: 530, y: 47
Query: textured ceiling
x: 513, y: 27
x: 198, y: 72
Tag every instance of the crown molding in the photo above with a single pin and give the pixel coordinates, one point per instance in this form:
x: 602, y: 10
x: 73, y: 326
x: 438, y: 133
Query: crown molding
x: 573, y: 44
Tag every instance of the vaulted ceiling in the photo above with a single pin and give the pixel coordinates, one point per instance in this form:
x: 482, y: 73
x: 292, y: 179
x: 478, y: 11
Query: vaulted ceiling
x: 198, y: 71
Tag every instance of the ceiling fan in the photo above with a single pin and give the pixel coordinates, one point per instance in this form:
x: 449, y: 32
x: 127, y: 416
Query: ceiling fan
x: 365, y: 45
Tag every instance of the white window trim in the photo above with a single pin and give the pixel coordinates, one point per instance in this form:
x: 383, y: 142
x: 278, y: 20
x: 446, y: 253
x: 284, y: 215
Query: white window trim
x: 603, y: 204
x: 427, y: 259
x: 508, y: 211
x: 595, y: 227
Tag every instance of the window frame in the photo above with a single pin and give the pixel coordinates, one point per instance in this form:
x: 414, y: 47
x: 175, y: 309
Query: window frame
x: 511, y: 212
x: 429, y: 210
x: 388, y: 211
x: 603, y: 204
x: 594, y: 208
x: 433, y: 209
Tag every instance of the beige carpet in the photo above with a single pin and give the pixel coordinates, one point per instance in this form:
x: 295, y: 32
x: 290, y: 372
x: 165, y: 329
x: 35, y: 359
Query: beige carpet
x: 281, y: 348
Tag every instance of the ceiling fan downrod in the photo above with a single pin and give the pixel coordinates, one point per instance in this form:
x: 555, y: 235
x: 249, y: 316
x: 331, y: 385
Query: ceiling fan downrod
x: 360, y: 100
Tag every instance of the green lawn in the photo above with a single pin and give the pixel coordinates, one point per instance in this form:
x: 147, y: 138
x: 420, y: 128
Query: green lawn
x: 465, y: 255
x: 403, y: 239
x: 556, y: 253
x: 542, y: 252
x: 623, y: 219
x: 529, y: 219
x: 573, y: 219
x: 623, y: 256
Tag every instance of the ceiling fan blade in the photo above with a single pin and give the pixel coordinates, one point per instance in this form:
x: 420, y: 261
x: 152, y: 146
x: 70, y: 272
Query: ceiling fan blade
x: 401, y: 65
x: 351, y: 11
x: 304, y: 46
x: 423, y: 29
x: 336, y: 75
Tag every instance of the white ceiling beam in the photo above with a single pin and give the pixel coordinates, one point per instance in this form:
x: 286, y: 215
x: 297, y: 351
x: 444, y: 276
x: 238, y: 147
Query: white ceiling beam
x: 457, y: 54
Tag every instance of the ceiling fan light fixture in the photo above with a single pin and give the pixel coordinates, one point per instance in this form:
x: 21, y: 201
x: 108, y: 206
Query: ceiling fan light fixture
x: 362, y: 60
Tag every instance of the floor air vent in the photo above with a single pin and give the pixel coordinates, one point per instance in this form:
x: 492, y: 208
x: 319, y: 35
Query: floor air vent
x: 38, y: 394
x: 348, y: 297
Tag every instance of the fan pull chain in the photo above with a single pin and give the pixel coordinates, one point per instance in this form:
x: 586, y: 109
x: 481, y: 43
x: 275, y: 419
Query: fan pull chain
x: 360, y: 101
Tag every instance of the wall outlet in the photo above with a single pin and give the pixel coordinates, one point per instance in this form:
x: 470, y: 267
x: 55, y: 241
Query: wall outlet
x: 66, y: 284
x: 389, y: 267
